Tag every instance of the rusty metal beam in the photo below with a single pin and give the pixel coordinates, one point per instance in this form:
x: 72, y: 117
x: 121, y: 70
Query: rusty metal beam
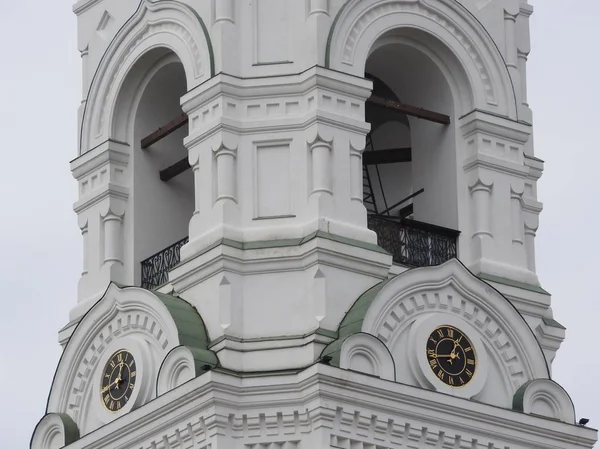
x: 410, y: 110
x: 389, y: 156
x: 176, y: 169
x: 164, y: 131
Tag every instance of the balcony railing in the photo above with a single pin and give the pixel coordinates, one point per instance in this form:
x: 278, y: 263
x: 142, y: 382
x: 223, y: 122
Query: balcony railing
x: 412, y: 242
x: 155, y: 269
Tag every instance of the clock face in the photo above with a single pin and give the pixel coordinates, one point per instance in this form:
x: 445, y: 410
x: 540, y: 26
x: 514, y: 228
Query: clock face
x: 118, y: 380
x: 451, y: 356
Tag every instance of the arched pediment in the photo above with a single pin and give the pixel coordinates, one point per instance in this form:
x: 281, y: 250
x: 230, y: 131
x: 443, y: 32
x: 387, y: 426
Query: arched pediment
x: 166, y: 24
x: 165, y: 335
x: 456, y: 36
x: 401, y: 313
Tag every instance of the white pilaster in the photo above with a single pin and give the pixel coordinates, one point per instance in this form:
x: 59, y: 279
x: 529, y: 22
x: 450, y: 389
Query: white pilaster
x: 102, y: 176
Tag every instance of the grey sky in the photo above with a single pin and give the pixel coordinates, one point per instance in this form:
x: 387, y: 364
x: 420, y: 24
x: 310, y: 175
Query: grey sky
x: 40, y: 243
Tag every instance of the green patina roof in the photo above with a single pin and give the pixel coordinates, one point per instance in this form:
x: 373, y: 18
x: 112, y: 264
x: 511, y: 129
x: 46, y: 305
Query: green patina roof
x: 553, y: 323
x: 191, y: 330
x: 352, y: 322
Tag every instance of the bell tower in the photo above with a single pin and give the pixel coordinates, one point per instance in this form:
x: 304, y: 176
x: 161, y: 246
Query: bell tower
x: 307, y: 223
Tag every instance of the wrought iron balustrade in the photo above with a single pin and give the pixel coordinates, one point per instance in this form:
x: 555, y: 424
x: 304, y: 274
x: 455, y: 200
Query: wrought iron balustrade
x: 155, y: 269
x: 412, y: 242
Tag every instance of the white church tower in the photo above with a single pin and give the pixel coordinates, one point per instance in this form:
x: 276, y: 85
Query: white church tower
x: 307, y: 224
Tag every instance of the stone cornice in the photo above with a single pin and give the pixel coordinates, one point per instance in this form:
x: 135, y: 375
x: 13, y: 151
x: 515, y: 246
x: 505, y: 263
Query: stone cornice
x: 505, y: 128
x: 83, y: 5
x: 280, y: 85
x: 230, y: 256
x: 109, y: 151
x: 323, y: 395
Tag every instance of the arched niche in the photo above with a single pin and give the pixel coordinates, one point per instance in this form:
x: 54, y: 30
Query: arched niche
x: 160, y: 210
x: 167, y: 24
x: 414, y: 74
x: 442, y: 27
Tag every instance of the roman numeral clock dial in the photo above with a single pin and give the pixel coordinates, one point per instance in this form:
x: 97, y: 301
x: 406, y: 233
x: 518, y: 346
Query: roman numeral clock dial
x: 118, y: 380
x: 451, y: 356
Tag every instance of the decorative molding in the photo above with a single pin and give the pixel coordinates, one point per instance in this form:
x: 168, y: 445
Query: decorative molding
x: 317, y: 7
x: 179, y: 28
x: 366, y: 354
x: 544, y: 397
x: 177, y: 368
x: 481, y: 193
x: 55, y: 430
x: 450, y: 288
x: 360, y: 22
x: 323, y: 403
x: 105, y: 21
x: 146, y: 323
x: 224, y: 11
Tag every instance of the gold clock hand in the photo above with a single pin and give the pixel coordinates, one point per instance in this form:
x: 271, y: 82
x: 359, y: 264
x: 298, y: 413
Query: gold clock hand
x: 119, y: 379
x: 105, y: 389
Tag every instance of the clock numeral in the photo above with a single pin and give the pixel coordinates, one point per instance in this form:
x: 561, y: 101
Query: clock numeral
x: 462, y: 382
x: 440, y: 374
x: 132, y: 374
x: 459, y: 339
x: 468, y: 349
x: 112, y: 364
x: 450, y: 332
x: 131, y: 386
x: 469, y: 373
x: 470, y: 362
x: 107, y: 376
x: 112, y: 405
x: 440, y: 333
x: 431, y: 353
x: 433, y: 363
x: 433, y: 341
x: 451, y: 381
x: 106, y: 398
x: 120, y: 357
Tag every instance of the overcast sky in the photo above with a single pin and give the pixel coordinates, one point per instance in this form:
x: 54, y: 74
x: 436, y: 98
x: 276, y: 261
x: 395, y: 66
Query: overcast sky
x: 40, y: 254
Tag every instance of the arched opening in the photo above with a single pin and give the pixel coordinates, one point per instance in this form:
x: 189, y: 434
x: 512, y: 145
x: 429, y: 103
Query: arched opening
x: 410, y: 160
x: 161, y: 204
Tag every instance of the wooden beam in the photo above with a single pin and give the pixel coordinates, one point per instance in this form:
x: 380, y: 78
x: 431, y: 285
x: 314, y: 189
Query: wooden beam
x: 176, y: 169
x: 410, y: 110
x: 390, y: 156
x: 164, y: 131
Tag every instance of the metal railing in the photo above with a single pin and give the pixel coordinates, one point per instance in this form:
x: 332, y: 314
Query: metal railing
x: 155, y: 269
x: 412, y: 242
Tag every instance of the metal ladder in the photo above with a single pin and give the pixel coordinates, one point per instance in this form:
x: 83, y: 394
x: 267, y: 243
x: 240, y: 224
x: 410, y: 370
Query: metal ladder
x: 368, y: 193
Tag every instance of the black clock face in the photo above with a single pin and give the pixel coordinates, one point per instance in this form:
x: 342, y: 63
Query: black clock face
x: 451, y: 356
x: 118, y: 380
